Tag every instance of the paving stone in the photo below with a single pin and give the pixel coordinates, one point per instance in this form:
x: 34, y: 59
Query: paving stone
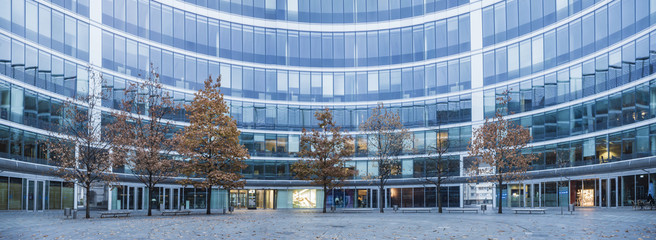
x: 590, y: 223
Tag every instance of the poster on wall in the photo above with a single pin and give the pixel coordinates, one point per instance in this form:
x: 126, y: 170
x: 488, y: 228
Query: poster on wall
x: 251, y: 200
x: 304, y: 198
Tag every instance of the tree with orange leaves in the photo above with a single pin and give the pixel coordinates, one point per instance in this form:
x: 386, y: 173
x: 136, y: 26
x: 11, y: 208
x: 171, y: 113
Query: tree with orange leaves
x: 324, y: 152
x: 144, y: 133
x: 211, y: 142
x: 499, y: 144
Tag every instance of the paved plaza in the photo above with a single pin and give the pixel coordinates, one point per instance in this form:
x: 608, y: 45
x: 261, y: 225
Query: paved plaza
x: 621, y: 223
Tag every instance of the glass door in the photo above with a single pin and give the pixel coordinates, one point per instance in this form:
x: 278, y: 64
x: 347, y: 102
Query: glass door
x: 234, y: 200
x: 166, y: 198
x: 604, y: 193
x: 39, y: 195
x: 613, y: 192
x: 363, y: 200
x: 30, y: 196
x: 242, y: 198
x: 261, y: 200
x: 175, y: 198
x: 270, y: 196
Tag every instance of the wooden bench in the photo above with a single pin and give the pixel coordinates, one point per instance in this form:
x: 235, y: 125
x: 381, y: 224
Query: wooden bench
x: 416, y: 210
x: 529, y: 210
x: 462, y: 210
x: 180, y: 212
x: 114, y: 214
x: 357, y: 210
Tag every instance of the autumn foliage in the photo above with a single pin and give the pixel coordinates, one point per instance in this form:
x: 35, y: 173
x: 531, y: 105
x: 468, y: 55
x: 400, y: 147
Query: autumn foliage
x: 324, y: 152
x: 143, y: 133
x: 211, y: 142
x: 497, y: 147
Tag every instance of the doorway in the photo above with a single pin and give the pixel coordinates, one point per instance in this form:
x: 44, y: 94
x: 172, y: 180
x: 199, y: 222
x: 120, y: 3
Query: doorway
x: 34, y: 195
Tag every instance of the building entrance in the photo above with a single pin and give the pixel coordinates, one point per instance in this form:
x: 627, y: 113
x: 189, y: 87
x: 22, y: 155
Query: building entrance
x: 253, y: 199
x: 33, y: 195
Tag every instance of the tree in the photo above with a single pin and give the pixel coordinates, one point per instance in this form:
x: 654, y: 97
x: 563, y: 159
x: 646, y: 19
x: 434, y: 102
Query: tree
x: 386, y: 139
x: 440, y: 168
x: 500, y: 143
x: 324, y: 154
x: 562, y: 161
x: 144, y: 134
x: 211, y: 142
x: 81, y: 149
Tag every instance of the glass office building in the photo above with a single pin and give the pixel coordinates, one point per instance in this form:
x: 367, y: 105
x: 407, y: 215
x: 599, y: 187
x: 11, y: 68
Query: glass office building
x: 580, y: 74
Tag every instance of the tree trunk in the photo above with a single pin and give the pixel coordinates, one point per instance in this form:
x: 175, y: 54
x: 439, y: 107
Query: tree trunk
x: 439, y: 198
x: 499, y: 197
x: 381, y: 194
x: 150, y: 195
x: 325, y: 196
x: 86, y: 201
x: 209, y: 200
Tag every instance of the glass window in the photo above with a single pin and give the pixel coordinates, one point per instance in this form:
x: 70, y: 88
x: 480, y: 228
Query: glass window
x: 418, y: 45
x: 614, y: 22
x: 178, y: 29
x: 524, y: 17
x: 441, y: 38
x: 167, y: 20
x: 488, y: 26
x: 550, y: 50
x: 406, y: 45
x: 82, y: 40
x: 44, y: 26
x: 452, y: 26
x: 628, y: 18
x: 31, y: 21
x: 57, y: 31
x: 500, y: 22
x: 538, y: 56
x: 464, y: 30
x: 601, y: 28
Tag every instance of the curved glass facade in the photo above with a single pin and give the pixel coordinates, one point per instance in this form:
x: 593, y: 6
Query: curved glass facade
x: 330, y: 11
x: 580, y: 74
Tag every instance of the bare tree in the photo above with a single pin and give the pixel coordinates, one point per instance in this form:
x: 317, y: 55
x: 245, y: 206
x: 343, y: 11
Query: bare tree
x: 211, y: 142
x: 81, y: 148
x: 324, y: 153
x: 562, y: 160
x: 144, y: 133
x: 500, y: 143
x: 439, y: 168
x: 386, y: 139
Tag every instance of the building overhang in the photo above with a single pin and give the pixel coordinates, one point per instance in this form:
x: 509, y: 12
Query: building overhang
x: 645, y: 164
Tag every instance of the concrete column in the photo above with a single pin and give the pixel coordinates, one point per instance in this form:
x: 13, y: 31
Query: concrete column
x: 109, y: 198
x: 476, y: 29
x: 76, y: 195
x: 569, y: 194
x: 494, y: 195
x: 462, y: 192
x: 599, y: 188
x: 476, y: 40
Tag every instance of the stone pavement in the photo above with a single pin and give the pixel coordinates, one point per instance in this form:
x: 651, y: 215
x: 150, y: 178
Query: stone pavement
x: 593, y: 223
